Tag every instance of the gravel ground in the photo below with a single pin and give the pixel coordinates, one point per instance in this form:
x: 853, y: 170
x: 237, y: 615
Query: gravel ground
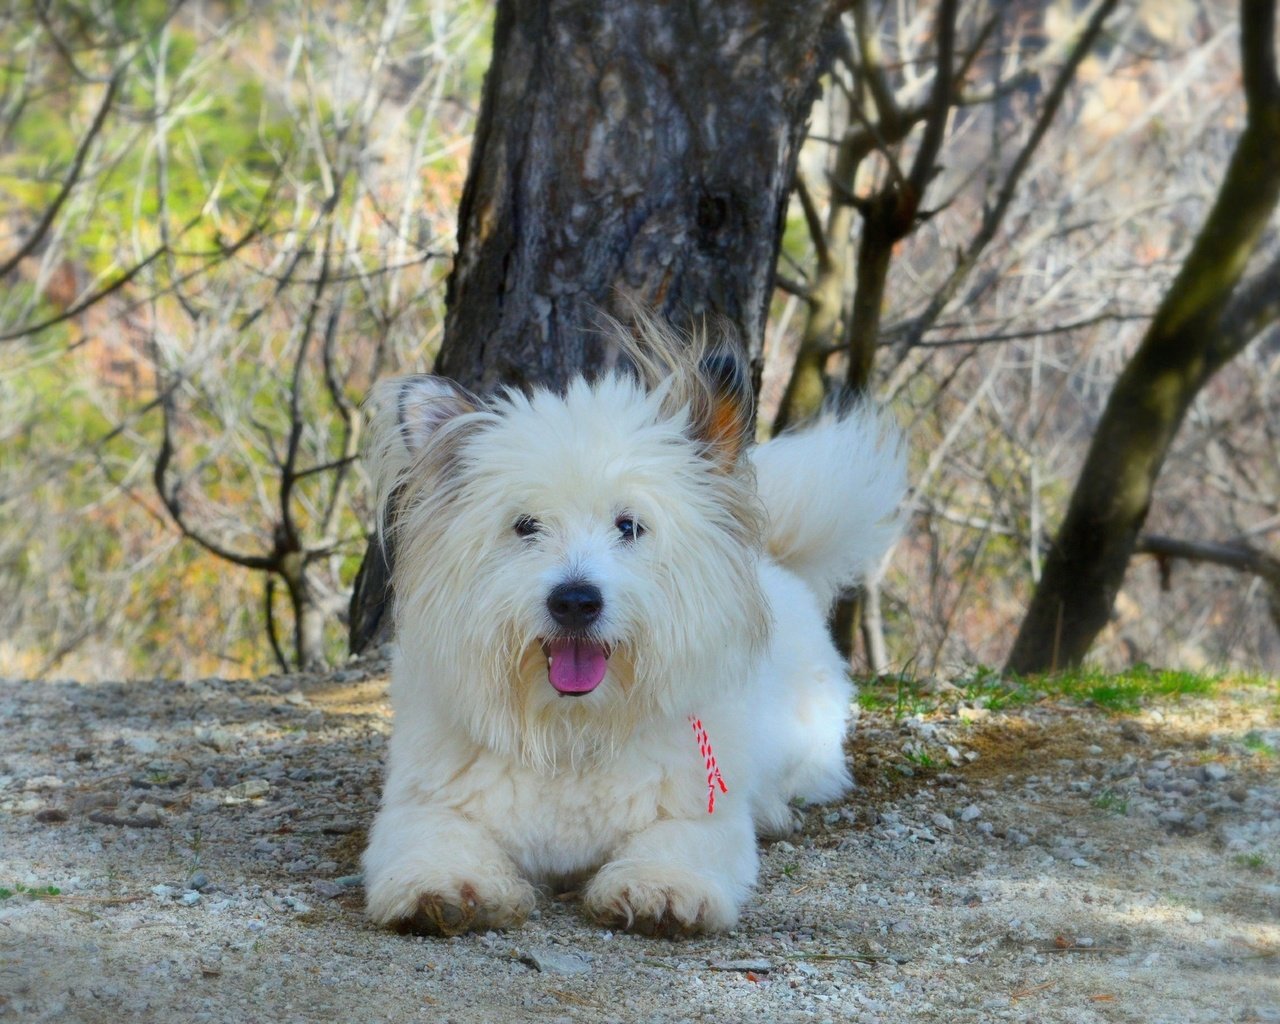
x: 1046, y: 863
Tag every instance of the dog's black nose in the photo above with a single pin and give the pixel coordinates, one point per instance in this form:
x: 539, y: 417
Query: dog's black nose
x: 575, y: 605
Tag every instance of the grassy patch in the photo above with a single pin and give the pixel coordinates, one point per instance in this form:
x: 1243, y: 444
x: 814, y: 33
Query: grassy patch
x: 1119, y: 692
x: 1251, y: 861
x: 1126, y: 691
x: 1255, y: 743
x: 1111, y: 802
x: 36, y: 892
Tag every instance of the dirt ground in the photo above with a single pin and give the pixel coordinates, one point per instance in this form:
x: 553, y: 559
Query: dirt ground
x: 1045, y: 863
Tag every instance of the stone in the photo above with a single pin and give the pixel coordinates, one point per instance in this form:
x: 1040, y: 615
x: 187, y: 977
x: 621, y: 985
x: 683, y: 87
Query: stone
x: 549, y: 962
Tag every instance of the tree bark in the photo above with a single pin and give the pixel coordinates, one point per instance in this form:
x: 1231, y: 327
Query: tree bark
x: 628, y: 153
x: 1187, y: 342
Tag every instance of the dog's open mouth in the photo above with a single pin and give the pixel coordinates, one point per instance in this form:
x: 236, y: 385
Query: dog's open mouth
x: 575, y: 666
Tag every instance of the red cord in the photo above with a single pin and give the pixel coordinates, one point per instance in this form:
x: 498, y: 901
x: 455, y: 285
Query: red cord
x: 713, y: 770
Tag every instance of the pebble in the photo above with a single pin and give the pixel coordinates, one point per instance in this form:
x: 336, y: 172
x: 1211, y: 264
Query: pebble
x: 190, y: 898
x: 198, y: 881
x: 219, y: 739
x: 250, y: 789
x: 51, y: 815
x: 1215, y: 772
x: 971, y: 812
x: 941, y: 821
x: 759, y: 966
x: 549, y: 962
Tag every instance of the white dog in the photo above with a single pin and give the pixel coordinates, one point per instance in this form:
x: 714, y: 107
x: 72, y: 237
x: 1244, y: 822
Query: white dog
x: 613, y: 663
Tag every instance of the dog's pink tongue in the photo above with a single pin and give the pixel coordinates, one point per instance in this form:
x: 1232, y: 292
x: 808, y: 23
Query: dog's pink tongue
x: 576, y: 666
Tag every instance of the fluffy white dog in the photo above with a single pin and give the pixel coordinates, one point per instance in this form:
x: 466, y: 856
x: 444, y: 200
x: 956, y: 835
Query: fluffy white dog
x: 613, y: 664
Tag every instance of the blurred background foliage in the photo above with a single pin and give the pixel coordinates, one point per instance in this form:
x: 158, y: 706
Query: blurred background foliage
x: 253, y: 215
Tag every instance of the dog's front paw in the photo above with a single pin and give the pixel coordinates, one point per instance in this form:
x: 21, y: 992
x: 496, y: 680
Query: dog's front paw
x: 657, y: 899
x: 451, y: 908
x: 463, y: 911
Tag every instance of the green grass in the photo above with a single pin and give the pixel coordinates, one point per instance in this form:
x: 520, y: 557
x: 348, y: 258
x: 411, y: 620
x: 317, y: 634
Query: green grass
x: 1255, y: 744
x: 921, y: 759
x: 36, y: 892
x: 1251, y: 861
x: 1126, y: 691
x: 1118, y: 692
x: 1111, y: 802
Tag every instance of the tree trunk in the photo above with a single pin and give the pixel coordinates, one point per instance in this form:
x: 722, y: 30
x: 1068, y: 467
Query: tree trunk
x: 1184, y: 346
x: 308, y: 614
x: 628, y: 153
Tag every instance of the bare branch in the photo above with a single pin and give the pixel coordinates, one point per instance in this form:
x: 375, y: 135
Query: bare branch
x: 72, y: 176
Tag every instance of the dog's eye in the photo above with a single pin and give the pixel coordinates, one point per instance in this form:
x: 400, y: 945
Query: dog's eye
x: 526, y: 526
x: 629, y: 528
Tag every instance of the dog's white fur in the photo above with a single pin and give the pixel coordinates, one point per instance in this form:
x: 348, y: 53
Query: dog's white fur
x: 495, y: 781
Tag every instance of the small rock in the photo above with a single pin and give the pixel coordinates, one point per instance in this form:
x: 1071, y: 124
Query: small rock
x: 198, y: 881
x: 555, y: 963
x: 1080, y: 862
x: 971, y: 812
x: 340, y: 827
x: 1194, y: 917
x: 326, y: 889
x: 1084, y: 941
x: 94, y: 801
x: 1094, y: 749
x: 215, y: 737
x: 1133, y: 733
x: 250, y: 789
x: 758, y: 966
x: 163, y: 891
x: 190, y: 899
x: 1215, y: 772
x: 144, y: 744
x: 941, y: 821
x: 350, y: 881
x: 51, y: 815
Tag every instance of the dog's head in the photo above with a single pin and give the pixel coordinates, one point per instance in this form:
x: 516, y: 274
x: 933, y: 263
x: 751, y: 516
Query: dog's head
x: 567, y: 564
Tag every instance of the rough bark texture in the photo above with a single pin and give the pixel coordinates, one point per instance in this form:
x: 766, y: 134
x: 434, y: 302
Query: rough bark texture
x: 1187, y: 342
x: 628, y: 153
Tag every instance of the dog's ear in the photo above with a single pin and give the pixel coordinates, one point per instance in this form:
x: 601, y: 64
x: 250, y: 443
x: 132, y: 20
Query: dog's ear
x: 726, y: 419
x: 424, y: 403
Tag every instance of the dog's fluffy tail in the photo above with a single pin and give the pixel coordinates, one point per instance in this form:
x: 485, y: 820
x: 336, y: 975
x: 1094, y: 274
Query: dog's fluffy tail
x: 831, y: 491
